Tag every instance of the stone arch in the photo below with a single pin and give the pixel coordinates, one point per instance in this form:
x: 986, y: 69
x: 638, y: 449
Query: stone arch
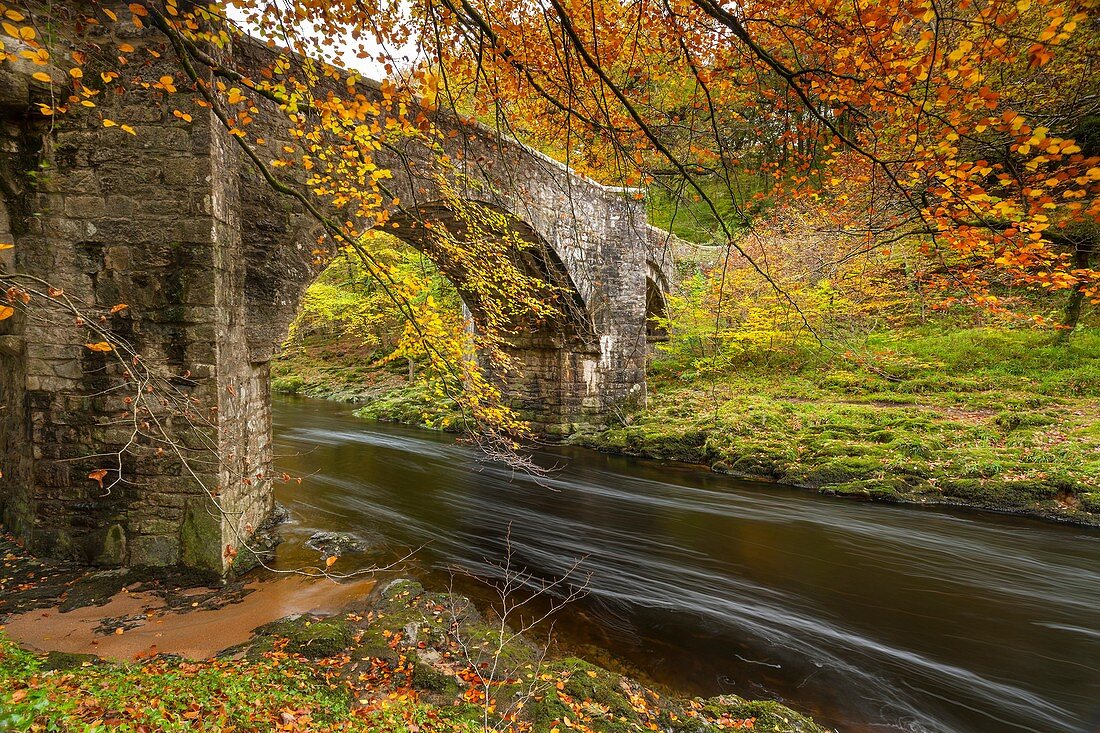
x: 537, y: 259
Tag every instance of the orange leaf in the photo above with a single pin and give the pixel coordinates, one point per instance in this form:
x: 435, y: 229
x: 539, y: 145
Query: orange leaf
x: 329, y: 562
x: 6, y: 312
x: 101, y: 346
x: 18, y: 695
x: 119, y: 307
x: 98, y: 475
x: 138, y: 9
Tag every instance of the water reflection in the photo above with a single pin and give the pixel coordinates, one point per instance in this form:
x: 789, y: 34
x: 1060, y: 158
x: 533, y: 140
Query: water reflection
x: 872, y: 617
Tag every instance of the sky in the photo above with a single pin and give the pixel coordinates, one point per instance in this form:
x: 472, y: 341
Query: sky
x: 345, y: 50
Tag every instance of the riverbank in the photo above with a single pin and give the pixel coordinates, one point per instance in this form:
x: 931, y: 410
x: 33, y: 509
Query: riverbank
x: 393, y: 658
x: 994, y: 419
x: 985, y: 418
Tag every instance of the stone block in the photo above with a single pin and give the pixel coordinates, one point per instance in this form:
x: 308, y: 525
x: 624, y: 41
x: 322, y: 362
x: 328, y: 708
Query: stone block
x: 154, y: 551
x: 201, y: 536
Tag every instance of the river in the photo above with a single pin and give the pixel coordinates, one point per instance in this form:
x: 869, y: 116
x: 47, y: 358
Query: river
x: 869, y: 617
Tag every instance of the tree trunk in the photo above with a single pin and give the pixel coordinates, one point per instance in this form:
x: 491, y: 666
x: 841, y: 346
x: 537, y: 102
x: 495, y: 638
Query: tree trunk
x: 1072, y: 313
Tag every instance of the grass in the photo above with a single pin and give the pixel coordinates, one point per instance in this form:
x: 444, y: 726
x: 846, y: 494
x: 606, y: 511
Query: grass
x: 996, y: 418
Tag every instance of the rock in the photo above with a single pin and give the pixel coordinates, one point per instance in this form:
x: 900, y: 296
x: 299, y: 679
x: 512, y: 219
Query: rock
x: 310, y: 637
x: 68, y: 660
x: 332, y: 544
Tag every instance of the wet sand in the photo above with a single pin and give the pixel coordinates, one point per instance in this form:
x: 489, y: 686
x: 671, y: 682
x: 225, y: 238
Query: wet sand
x: 196, y: 634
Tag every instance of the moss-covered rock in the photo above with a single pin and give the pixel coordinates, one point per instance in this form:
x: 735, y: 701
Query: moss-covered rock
x: 311, y: 637
x: 767, y: 715
x: 427, y: 678
x: 68, y: 660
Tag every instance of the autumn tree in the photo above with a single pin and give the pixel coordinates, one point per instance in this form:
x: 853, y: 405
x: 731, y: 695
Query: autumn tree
x: 951, y: 127
x: 948, y: 127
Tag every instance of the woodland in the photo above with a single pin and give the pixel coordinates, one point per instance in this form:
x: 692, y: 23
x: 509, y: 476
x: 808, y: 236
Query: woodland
x: 886, y: 224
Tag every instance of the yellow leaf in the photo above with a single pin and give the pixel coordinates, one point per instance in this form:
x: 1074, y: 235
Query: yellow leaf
x: 110, y: 123
x: 110, y: 14
x: 6, y: 312
x: 41, y: 76
x: 100, y: 346
x: 127, y: 128
x: 125, y: 48
x: 10, y: 246
x: 76, y: 73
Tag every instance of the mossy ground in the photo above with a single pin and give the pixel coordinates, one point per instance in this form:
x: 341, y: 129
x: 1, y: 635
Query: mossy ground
x: 317, y: 366
x: 992, y: 418
x: 407, y: 660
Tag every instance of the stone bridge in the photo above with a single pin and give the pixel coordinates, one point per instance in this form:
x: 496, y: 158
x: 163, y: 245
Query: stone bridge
x: 212, y: 264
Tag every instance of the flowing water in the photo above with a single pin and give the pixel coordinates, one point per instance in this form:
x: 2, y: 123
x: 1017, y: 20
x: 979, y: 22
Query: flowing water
x: 870, y: 617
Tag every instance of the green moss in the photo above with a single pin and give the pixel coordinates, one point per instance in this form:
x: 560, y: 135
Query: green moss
x: 769, y: 715
x: 313, y: 639
x: 66, y: 660
x: 290, y: 384
x: 201, y: 536
x: 427, y: 678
